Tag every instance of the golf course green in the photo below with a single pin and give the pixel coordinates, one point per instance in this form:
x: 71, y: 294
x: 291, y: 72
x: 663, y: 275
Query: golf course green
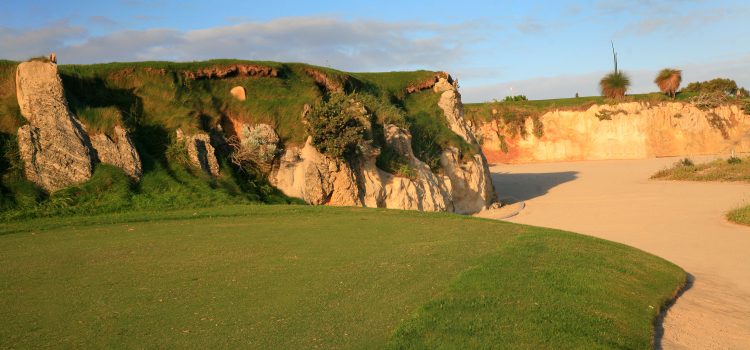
x: 289, y: 276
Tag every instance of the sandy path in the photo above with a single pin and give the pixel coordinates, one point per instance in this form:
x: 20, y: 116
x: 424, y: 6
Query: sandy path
x: 680, y: 221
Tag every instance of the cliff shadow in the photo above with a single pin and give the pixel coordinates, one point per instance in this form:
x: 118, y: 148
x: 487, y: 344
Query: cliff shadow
x: 90, y: 97
x: 524, y: 187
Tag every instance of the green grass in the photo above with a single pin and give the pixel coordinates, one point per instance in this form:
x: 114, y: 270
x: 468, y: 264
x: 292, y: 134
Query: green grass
x: 306, y: 277
x: 740, y: 215
x: 717, y: 170
x: 392, y: 84
x: 429, y: 129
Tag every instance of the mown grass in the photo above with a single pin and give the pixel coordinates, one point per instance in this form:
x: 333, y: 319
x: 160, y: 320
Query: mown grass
x: 731, y: 169
x: 305, y: 277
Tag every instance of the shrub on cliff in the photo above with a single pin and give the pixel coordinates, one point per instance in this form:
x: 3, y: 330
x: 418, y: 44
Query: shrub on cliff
x: 718, y: 85
x: 516, y: 98
x: 338, y: 127
x: 615, y: 84
x: 668, y: 81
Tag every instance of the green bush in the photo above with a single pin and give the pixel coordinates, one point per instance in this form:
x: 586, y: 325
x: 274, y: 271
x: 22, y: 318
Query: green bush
x: 718, y: 85
x: 392, y: 162
x: 515, y: 98
x: 338, y: 127
x: 686, y: 162
x: 734, y: 160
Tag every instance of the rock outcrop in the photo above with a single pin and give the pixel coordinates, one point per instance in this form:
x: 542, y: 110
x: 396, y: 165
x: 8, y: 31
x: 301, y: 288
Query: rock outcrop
x: 624, y: 131
x: 424, y: 191
x: 118, y: 151
x: 53, y: 144
x: 471, y: 181
x: 200, y: 152
x: 54, y: 147
x: 429, y: 83
x: 464, y: 186
x: 317, y: 179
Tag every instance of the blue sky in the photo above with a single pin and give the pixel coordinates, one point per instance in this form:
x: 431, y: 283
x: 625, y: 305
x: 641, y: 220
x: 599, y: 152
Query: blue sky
x: 537, y: 48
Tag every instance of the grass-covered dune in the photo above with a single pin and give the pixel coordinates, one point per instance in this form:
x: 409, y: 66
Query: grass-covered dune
x: 283, y: 277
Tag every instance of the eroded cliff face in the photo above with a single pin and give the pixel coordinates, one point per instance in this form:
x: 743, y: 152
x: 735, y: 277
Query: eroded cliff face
x: 54, y: 147
x: 464, y: 186
x: 623, y: 131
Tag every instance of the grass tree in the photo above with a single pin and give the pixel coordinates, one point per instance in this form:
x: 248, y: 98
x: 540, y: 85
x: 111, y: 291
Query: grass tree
x: 669, y: 81
x: 615, y: 84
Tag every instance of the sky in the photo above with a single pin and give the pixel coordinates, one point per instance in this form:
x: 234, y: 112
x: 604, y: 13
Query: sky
x: 541, y: 49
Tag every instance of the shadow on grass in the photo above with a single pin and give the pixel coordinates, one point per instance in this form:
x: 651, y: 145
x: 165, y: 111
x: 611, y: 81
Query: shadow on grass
x: 659, y: 322
x: 524, y: 187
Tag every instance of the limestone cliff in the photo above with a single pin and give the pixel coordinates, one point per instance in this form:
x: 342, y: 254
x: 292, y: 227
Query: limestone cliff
x: 244, y: 113
x: 464, y: 186
x: 623, y: 131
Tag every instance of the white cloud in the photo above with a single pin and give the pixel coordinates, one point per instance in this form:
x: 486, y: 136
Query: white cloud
x: 349, y: 45
x: 20, y: 45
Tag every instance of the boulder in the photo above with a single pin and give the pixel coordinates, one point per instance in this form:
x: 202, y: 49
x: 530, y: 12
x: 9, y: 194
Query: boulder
x: 238, y: 92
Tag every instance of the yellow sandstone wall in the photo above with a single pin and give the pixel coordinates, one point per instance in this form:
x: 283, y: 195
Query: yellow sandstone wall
x: 636, y: 130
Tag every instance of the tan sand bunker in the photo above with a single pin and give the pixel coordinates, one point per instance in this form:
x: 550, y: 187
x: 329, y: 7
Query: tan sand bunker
x: 679, y: 221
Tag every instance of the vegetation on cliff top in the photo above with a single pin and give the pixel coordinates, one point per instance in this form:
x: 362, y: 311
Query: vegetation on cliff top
x: 614, y: 85
x: 668, y: 80
x: 303, y: 277
x: 153, y: 99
